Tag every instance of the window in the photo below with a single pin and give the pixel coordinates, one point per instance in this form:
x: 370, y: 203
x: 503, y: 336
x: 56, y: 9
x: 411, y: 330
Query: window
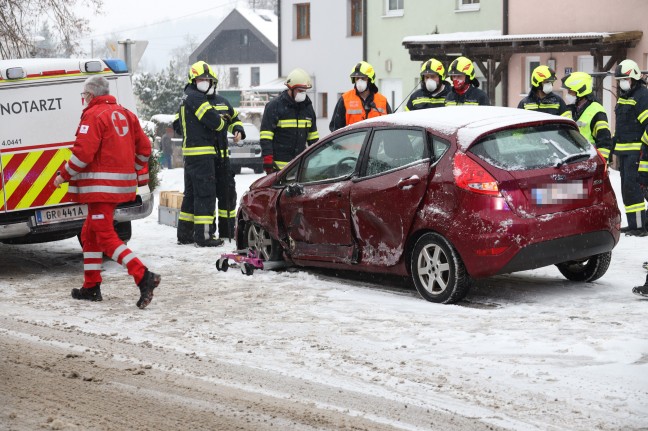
x: 234, y: 77
x: 244, y: 38
x: 323, y: 103
x: 394, y: 7
x: 355, y: 18
x: 335, y: 159
x: 302, y: 21
x: 392, y: 149
x: 467, y: 5
x: 255, y: 76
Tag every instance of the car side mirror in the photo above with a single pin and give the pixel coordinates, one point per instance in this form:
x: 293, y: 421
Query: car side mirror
x: 294, y: 190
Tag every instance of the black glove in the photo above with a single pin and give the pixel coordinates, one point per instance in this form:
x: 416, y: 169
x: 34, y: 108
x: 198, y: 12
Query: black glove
x: 241, y: 130
x: 226, y: 118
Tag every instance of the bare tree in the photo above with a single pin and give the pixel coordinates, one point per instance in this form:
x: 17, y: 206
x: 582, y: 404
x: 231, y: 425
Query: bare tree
x: 264, y: 4
x: 179, y: 63
x: 19, y: 20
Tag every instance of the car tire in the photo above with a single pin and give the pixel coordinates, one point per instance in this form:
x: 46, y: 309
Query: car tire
x: 589, y: 269
x: 437, y: 271
x: 257, y: 238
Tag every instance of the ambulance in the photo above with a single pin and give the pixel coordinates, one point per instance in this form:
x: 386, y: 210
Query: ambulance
x: 40, y: 109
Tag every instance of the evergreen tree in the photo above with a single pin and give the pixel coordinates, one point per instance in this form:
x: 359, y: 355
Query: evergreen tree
x: 45, y: 45
x: 159, y: 93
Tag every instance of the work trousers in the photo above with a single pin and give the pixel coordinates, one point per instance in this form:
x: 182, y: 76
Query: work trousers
x: 199, y: 201
x: 631, y: 193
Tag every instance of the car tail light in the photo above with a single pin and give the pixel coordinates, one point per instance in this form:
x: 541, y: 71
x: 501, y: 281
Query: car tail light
x: 469, y: 175
x: 605, y: 163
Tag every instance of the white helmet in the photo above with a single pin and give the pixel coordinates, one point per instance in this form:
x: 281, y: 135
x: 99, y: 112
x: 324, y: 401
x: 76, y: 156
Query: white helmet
x: 627, y: 69
x: 298, y: 78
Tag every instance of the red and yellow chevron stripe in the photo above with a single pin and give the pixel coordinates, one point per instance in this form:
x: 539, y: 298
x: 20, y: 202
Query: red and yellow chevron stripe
x: 27, y: 178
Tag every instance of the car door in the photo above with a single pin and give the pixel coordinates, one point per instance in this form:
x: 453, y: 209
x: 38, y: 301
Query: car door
x: 315, y: 210
x: 386, y: 196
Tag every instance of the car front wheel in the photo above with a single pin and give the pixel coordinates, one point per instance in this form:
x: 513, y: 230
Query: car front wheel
x: 437, y: 270
x: 260, y: 240
x: 589, y: 269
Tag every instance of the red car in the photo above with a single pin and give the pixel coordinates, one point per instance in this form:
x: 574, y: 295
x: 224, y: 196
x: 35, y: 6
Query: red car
x: 443, y: 196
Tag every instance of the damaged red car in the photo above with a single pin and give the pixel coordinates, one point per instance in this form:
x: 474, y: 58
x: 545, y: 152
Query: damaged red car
x: 443, y: 196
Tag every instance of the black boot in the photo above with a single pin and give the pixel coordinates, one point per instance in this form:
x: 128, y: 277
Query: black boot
x: 641, y: 290
x: 149, y: 282
x: 88, y: 293
x: 211, y: 242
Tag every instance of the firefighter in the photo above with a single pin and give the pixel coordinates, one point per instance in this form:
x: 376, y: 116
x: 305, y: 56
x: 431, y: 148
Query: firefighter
x: 588, y: 113
x: 198, y: 122
x: 541, y: 98
x: 464, y: 85
x: 433, y: 89
x: 225, y: 183
x: 289, y: 124
x: 362, y: 102
x: 109, y: 160
x: 631, y: 113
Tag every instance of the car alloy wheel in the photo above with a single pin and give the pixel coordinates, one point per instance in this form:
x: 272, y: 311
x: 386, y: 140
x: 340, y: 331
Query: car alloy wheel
x: 437, y: 271
x: 259, y: 239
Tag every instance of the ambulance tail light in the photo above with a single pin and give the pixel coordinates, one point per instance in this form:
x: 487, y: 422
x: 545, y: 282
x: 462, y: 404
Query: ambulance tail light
x: 92, y: 66
x: 15, y: 73
x: 116, y: 65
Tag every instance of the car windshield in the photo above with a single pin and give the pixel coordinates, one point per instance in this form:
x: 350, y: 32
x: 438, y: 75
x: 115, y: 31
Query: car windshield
x: 533, y: 147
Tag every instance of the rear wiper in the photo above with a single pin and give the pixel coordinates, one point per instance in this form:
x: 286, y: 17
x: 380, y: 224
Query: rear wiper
x: 573, y: 158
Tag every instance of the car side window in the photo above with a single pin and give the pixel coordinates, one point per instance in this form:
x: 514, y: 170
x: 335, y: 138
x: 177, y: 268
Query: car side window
x: 335, y: 159
x: 394, y: 148
x: 439, y: 147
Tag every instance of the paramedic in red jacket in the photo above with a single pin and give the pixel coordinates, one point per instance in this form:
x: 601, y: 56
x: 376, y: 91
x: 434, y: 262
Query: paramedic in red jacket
x: 109, y: 153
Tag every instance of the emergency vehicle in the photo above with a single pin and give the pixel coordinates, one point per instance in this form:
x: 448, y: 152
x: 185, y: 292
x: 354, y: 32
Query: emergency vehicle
x: 40, y: 110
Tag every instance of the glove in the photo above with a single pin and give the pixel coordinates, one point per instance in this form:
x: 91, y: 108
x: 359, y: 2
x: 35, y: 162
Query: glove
x: 268, y: 164
x: 143, y: 176
x: 241, y: 130
x: 226, y: 118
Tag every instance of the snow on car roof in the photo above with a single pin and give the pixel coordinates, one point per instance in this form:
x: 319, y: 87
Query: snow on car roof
x: 468, y: 122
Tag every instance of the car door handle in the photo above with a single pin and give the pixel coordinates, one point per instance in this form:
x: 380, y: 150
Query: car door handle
x: 408, y: 183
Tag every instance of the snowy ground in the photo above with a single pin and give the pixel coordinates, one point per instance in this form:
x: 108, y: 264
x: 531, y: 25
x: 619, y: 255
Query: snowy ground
x: 310, y: 350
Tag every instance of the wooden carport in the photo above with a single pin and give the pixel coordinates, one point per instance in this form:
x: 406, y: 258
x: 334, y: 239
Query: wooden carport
x: 491, y: 52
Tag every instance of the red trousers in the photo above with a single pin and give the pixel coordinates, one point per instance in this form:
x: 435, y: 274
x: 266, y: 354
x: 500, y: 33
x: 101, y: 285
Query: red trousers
x: 99, y: 237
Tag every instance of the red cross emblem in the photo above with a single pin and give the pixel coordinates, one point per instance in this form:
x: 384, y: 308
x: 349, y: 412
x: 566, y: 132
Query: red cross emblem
x: 119, y: 123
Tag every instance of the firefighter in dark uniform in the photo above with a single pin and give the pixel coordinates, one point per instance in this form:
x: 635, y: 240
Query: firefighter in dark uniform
x: 434, y: 89
x: 289, y: 124
x: 362, y: 101
x: 225, y: 183
x: 630, y: 139
x: 588, y: 113
x: 198, y: 122
x: 541, y: 98
x: 464, y: 85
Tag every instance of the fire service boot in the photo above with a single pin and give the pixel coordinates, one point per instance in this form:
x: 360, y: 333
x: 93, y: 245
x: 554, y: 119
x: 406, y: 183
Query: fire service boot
x: 88, y: 293
x: 149, y: 282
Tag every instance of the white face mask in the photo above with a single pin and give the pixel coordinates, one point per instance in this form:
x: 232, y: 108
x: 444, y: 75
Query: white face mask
x: 624, y: 84
x: 547, y: 87
x: 300, y: 97
x: 203, y: 86
x: 570, y: 99
x: 361, y: 85
x: 430, y: 84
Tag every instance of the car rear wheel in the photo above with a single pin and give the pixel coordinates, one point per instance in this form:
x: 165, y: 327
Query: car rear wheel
x: 260, y: 240
x: 589, y: 269
x: 437, y: 270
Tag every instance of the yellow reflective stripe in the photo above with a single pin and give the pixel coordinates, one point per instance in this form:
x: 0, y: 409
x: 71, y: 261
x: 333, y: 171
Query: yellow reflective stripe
x: 43, y: 180
x: 200, y: 112
x: 221, y: 107
x: 300, y: 124
x: 231, y: 126
x: 407, y: 108
x: 451, y: 103
x: 644, y: 137
x: 266, y: 134
x: 184, y: 126
x: 566, y: 114
x: 198, y: 151
x: 312, y: 135
x: 225, y: 153
x: 632, y: 146
x: 643, y: 166
x: 203, y: 219
x: 281, y: 165
x: 549, y: 105
x: 420, y: 100
x: 530, y: 106
x: 635, y: 208
x: 226, y: 213
x: 176, y: 116
x: 622, y: 101
x: 642, y: 117
x: 600, y: 125
x: 186, y: 217
x: 605, y: 152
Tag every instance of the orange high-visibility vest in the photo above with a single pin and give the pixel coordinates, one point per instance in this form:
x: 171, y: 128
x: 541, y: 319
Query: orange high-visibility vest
x: 355, y: 110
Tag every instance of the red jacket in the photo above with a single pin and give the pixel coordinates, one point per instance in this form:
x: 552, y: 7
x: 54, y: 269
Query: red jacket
x: 109, y: 150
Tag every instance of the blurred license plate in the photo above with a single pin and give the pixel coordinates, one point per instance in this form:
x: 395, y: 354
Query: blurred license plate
x: 558, y: 193
x: 57, y: 215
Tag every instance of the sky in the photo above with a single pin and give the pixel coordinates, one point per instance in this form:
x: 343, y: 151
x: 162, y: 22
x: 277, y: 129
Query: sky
x: 528, y: 351
x: 164, y: 23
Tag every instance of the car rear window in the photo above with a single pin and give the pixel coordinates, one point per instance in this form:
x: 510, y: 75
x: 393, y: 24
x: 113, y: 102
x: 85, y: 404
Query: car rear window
x: 533, y: 147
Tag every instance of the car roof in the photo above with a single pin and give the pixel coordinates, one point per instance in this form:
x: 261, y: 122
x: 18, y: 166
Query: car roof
x: 467, y: 122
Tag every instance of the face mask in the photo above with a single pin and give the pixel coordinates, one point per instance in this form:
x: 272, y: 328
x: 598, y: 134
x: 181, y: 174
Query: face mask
x: 361, y: 85
x: 624, y: 84
x: 211, y: 91
x: 85, y: 101
x: 300, y: 97
x: 570, y: 99
x: 431, y: 85
x: 547, y: 87
x: 460, y: 86
x: 203, y: 86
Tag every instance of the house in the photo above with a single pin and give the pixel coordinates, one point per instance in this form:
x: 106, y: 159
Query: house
x: 325, y: 38
x: 243, y: 50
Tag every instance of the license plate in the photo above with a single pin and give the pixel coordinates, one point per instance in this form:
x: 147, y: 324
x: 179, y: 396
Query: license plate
x: 559, y: 193
x: 61, y: 214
